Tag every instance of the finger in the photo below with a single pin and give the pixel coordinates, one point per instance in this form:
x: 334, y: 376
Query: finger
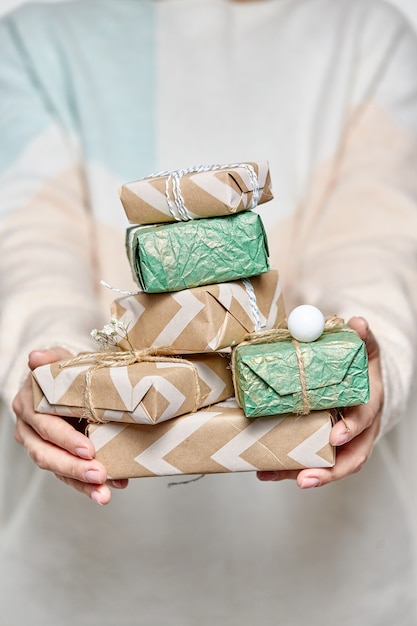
x: 50, y: 457
x: 42, y: 357
x: 57, y: 431
x: 350, y: 459
x: 361, y: 327
x: 360, y: 420
x: 100, y: 494
x: 277, y: 475
x: 50, y: 428
x: 54, y: 444
x: 355, y: 435
x: 355, y: 421
x: 120, y: 483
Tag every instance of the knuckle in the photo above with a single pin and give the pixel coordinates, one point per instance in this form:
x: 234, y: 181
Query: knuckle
x: 43, y: 430
x: 369, y: 418
x: 359, y: 461
x: 39, y: 458
x: 75, y: 469
x: 16, y: 405
x: 17, y: 434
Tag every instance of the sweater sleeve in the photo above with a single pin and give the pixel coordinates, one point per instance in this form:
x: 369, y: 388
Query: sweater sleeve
x: 46, y: 236
x: 359, y: 235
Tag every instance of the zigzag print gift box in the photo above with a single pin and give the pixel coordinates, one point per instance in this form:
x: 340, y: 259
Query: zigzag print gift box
x: 159, y: 398
x: 196, y: 192
x: 214, y: 440
x: 113, y: 387
x: 202, y: 319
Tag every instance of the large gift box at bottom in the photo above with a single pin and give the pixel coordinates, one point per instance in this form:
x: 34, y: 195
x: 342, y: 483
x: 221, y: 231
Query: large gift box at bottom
x: 214, y: 440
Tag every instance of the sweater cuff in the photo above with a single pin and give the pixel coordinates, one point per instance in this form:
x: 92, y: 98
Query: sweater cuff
x: 395, y: 398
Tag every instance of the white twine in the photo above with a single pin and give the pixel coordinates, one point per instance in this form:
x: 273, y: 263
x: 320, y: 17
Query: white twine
x: 122, y: 291
x: 177, y: 206
x: 253, y: 303
x: 248, y: 286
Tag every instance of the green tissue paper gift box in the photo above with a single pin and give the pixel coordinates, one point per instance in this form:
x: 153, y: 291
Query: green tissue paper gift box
x: 183, y: 255
x: 285, y: 376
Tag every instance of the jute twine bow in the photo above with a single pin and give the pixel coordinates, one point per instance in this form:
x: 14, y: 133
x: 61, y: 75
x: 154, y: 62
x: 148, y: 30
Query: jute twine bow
x: 119, y: 359
x: 331, y: 324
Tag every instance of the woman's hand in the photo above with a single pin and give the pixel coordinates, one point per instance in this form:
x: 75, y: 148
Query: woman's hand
x: 55, y: 445
x: 354, y: 445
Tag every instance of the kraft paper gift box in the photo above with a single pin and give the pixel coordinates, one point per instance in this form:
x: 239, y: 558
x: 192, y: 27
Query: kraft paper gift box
x: 214, y: 440
x: 182, y: 255
x: 284, y: 376
x: 145, y: 392
x: 204, y: 191
x: 202, y: 319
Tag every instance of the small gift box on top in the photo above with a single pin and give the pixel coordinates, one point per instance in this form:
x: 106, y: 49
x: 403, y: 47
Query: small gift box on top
x: 196, y: 192
x: 182, y: 255
x: 214, y: 440
x: 130, y: 387
x: 202, y: 319
x: 274, y: 373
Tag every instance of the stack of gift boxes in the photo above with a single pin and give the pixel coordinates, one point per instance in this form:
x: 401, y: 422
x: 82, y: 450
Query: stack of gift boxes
x: 200, y: 382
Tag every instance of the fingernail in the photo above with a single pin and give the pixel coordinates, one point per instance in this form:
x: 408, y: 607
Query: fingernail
x: 96, y: 496
x: 341, y: 439
x: 93, y: 476
x: 267, y: 475
x: 308, y: 483
x: 117, y: 484
x: 365, y: 321
x: 84, y: 453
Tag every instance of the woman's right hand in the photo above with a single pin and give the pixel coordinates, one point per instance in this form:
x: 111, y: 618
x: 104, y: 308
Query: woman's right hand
x: 55, y: 445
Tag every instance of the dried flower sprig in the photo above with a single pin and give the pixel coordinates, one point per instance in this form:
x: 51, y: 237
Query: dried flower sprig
x: 111, y: 334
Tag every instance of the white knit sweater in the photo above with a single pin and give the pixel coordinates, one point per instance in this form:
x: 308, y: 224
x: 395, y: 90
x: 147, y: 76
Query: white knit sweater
x: 95, y: 93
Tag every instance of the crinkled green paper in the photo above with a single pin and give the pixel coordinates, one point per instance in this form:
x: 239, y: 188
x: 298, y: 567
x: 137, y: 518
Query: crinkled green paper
x: 182, y: 255
x: 267, y: 375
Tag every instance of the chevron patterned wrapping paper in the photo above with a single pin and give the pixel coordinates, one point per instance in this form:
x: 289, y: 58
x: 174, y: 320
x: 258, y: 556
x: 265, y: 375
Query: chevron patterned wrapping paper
x: 203, y: 319
x: 219, y: 191
x: 334, y: 367
x: 214, y: 440
x: 182, y: 255
x: 145, y: 393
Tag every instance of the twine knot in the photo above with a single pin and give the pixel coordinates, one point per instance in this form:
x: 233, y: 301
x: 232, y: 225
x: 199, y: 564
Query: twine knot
x: 119, y: 358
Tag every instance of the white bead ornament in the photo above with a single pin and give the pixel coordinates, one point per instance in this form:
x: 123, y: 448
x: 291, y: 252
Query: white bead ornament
x: 306, y: 323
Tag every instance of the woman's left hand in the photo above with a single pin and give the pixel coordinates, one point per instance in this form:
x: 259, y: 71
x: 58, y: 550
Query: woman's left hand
x: 355, y: 439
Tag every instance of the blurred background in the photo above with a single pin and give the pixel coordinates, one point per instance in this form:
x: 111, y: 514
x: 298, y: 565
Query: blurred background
x: 409, y: 7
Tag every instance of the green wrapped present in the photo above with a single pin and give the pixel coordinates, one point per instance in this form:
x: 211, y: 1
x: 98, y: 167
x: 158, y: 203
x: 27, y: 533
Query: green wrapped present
x: 275, y: 374
x: 182, y: 255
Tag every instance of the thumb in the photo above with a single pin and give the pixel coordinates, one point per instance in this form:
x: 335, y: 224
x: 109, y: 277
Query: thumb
x: 361, y: 327
x: 42, y: 357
